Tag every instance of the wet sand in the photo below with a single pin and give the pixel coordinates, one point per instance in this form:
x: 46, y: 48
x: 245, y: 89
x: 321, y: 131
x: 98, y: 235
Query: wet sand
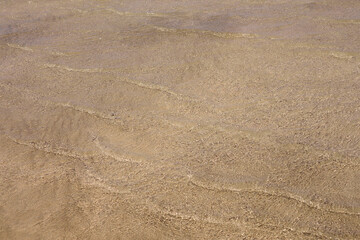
x: 179, y: 119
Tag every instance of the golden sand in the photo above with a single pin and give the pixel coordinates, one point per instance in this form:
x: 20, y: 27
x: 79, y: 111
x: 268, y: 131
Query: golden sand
x: 179, y: 119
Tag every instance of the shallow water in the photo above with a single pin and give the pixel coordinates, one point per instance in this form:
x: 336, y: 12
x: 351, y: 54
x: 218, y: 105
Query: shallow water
x: 180, y: 119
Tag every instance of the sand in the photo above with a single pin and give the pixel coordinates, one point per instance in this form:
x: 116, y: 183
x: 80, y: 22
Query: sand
x: 179, y: 119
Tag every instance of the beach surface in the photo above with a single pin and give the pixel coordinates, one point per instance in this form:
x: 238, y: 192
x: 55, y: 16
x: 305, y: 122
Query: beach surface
x: 160, y: 119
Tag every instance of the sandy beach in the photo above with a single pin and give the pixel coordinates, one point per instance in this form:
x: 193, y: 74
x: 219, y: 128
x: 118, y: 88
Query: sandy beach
x: 160, y: 119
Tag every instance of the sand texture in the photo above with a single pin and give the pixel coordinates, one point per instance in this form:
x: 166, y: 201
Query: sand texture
x: 164, y: 119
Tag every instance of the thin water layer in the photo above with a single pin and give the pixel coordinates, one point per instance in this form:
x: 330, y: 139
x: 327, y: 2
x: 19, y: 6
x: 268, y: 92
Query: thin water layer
x: 180, y: 119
